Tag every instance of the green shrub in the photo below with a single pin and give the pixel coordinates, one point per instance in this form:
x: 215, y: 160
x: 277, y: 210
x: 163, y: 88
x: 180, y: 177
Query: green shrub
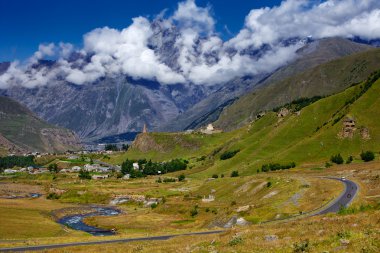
x: 367, y: 156
x: 350, y: 159
x: 269, y: 184
x: 154, y: 205
x: 52, y: 195
x: 168, y: 180
x: 215, y: 176
x: 235, y: 173
x: 235, y: 241
x: 181, y: 177
x: 194, y: 211
x: 338, y: 159
x: 84, y: 174
x: 229, y: 154
x: 301, y: 247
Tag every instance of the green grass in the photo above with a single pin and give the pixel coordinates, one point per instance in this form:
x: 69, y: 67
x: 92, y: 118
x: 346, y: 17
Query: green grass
x: 311, y: 137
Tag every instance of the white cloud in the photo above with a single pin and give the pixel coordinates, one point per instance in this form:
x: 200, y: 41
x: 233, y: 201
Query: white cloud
x: 203, y: 58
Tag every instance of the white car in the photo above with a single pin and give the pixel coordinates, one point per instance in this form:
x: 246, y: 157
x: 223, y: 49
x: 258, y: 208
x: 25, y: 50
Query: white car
x: 343, y: 178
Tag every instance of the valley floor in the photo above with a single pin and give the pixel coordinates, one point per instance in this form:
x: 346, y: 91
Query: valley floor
x: 283, y: 202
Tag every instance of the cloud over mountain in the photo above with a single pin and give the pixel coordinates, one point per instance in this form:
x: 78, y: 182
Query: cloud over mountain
x: 201, y: 57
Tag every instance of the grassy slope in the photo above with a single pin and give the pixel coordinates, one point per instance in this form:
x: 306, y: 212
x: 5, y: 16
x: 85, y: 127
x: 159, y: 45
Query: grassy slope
x: 272, y: 140
x: 325, y: 79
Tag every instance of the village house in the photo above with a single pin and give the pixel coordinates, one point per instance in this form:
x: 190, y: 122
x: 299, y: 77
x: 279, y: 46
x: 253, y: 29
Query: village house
x: 210, y: 130
x: 97, y: 177
x: 75, y: 169
x: 9, y: 171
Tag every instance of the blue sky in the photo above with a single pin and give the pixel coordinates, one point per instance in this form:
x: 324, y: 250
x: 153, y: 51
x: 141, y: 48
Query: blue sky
x: 25, y: 24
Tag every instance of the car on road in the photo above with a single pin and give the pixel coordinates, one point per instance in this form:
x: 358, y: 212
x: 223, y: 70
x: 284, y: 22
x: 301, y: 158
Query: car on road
x: 343, y: 178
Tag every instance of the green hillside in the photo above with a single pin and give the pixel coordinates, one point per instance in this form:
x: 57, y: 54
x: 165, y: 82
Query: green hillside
x: 22, y: 131
x: 312, y: 136
x: 325, y: 79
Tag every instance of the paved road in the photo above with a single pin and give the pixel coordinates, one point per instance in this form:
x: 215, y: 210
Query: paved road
x: 350, y: 190
x: 153, y: 238
x: 344, y: 199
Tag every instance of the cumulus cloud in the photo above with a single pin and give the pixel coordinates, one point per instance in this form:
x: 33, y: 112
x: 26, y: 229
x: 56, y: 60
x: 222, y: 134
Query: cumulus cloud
x: 199, y: 55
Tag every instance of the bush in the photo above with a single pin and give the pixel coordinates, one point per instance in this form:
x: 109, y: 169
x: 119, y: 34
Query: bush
x: 53, y: 168
x: 52, y: 195
x: 181, y: 177
x: 269, y: 184
x: 83, y: 174
x: 338, y: 159
x: 235, y: 241
x: 302, y: 246
x: 277, y: 166
x: 168, y: 180
x: 222, y: 176
x: 154, y: 205
x: 235, y: 173
x: 215, y: 176
x: 194, y: 211
x: 349, y: 159
x: 229, y: 154
x: 367, y: 156
x: 328, y: 165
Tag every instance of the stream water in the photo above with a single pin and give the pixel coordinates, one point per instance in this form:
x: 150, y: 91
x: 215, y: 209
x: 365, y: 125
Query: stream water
x: 76, y: 221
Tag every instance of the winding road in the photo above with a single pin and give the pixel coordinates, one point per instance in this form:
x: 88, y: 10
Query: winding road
x: 349, y: 193
x: 346, y: 197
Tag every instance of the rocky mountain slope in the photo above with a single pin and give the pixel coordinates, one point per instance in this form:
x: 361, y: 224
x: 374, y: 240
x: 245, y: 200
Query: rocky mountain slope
x: 113, y: 106
x: 322, y: 80
x: 22, y: 131
x: 309, y: 56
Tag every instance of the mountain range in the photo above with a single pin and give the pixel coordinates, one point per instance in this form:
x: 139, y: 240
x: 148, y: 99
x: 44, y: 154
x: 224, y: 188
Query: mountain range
x: 21, y: 131
x: 118, y: 105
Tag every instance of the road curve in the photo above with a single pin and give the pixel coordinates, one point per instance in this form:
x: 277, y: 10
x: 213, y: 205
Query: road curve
x: 349, y: 193
x: 344, y: 200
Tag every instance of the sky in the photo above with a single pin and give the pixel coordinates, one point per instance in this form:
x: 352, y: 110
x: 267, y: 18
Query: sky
x: 194, y: 42
x: 25, y: 24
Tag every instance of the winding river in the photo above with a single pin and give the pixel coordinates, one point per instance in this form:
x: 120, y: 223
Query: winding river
x: 76, y: 221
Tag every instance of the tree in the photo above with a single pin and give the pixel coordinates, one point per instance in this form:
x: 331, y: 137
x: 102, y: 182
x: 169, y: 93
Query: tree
x: 229, y: 154
x: 235, y: 173
x: 338, y: 159
x: 367, y: 156
x: 84, y: 174
x: 350, y: 159
x: 215, y: 176
x: 53, y: 168
x: 125, y: 147
x: 111, y: 147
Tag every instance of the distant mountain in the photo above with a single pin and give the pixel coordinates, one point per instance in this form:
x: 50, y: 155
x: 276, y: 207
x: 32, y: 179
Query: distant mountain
x: 22, y: 131
x: 309, y: 56
x: 322, y: 80
x: 118, y: 105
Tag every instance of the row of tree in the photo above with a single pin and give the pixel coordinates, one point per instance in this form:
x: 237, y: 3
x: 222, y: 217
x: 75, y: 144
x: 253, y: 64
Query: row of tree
x: 152, y: 168
x: 12, y: 161
x: 277, y: 166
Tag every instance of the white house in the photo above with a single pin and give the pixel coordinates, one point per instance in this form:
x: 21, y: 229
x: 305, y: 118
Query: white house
x: 76, y: 169
x: 136, y: 166
x: 9, y: 171
x: 99, y: 176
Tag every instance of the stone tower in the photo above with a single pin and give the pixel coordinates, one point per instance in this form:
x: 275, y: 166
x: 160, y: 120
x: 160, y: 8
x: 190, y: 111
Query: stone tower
x: 145, y: 130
